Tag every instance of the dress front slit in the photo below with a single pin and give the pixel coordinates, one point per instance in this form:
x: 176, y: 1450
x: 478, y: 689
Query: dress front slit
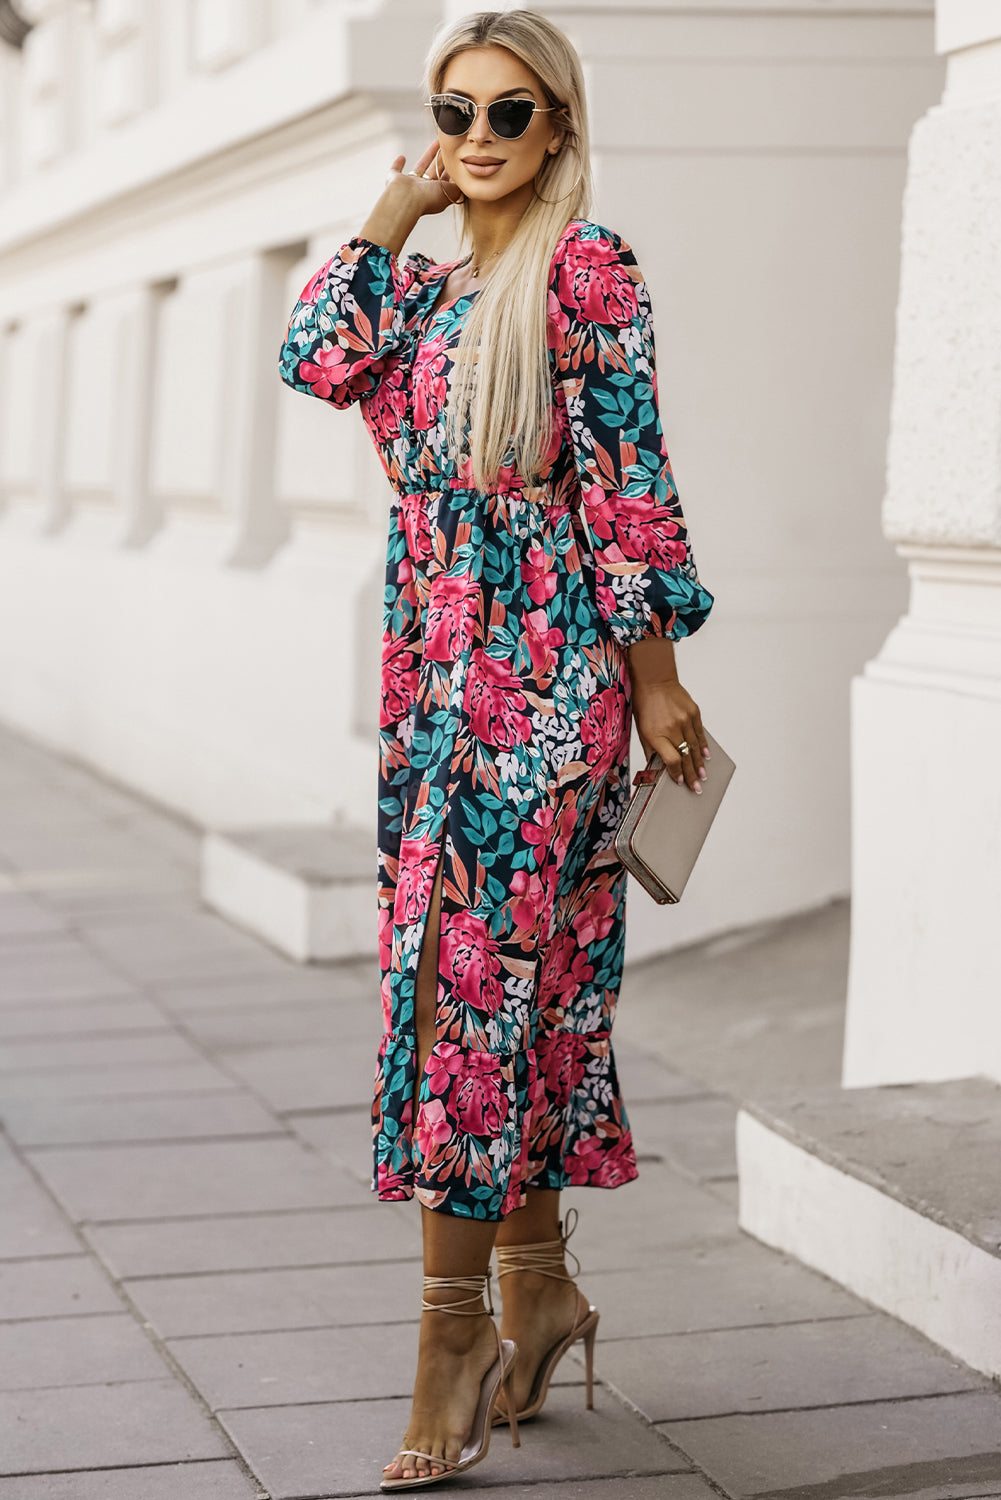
x: 505, y: 717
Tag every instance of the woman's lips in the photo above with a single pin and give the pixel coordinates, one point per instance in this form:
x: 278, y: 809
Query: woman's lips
x: 482, y: 169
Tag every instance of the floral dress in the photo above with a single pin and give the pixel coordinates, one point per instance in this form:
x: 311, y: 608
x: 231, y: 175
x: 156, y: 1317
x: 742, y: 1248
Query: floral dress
x: 505, y: 715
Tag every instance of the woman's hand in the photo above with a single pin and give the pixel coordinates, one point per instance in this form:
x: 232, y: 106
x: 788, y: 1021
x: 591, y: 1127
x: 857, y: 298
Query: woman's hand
x: 407, y: 197
x: 428, y: 194
x: 666, y: 715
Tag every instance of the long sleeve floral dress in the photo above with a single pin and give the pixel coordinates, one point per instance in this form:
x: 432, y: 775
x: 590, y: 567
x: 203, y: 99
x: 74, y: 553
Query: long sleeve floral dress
x: 505, y: 715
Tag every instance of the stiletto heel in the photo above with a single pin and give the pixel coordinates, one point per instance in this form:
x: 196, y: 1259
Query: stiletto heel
x: 497, y: 1379
x: 547, y: 1259
x: 589, y: 1362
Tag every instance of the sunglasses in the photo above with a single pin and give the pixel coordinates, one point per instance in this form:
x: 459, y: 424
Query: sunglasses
x: 508, y: 118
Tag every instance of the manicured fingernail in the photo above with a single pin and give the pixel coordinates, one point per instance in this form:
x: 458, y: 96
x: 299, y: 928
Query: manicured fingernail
x: 705, y: 752
x: 703, y: 773
x: 698, y: 787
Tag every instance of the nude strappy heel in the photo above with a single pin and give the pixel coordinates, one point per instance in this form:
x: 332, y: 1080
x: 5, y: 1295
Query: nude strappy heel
x: 547, y: 1259
x: 494, y: 1381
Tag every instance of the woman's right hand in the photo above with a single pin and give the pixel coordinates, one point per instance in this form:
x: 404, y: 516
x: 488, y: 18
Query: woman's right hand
x: 428, y: 194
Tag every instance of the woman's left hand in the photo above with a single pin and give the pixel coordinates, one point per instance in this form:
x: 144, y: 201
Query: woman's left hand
x: 667, y: 716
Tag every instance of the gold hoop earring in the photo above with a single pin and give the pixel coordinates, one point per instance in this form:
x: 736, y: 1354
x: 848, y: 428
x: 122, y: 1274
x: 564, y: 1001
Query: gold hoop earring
x: 580, y: 178
x: 437, y: 178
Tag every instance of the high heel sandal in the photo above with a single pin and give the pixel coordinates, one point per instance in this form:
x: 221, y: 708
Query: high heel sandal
x: 547, y: 1259
x: 494, y: 1381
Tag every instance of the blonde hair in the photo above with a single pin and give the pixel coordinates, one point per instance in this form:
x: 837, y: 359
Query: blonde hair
x: 500, y: 383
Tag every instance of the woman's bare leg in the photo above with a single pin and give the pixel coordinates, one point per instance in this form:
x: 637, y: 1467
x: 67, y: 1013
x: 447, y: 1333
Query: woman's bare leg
x: 454, y: 1353
x: 538, y: 1310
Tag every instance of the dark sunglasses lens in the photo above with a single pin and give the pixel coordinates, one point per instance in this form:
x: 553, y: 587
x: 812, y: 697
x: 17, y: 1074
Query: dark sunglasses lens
x: 510, y: 118
x: 452, y: 116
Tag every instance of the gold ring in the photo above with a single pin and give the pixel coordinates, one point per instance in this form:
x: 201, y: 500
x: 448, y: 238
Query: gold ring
x: 684, y: 748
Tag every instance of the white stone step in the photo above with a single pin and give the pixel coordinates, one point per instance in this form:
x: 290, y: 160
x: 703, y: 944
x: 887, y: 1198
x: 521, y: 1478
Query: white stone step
x: 308, y: 889
x: 895, y: 1193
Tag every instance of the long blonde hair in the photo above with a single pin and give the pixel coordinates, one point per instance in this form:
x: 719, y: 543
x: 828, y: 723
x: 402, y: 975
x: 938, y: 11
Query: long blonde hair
x: 500, y: 385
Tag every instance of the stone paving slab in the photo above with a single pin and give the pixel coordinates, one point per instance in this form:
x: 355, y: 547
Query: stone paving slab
x: 310, y: 1075
x: 626, y: 1227
x: 256, y: 1301
x: 217, y: 1479
x: 719, y: 1285
x: 828, y: 1363
x: 913, y: 1448
x: 165, y: 1117
x: 56, y: 972
x: 696, y: 1137
x: 63, y: 1285
x: 168, y: 1181
x: 317, y: 982
x: 30, y: 1223
x: 331, y: 1020
x: 141, y: 1422
x: 238, y: 1242
x: 334, y: 1449
x: 310, y: 1364
x: 190, y: 945
x: 647, y: 1487
x: 25, y: 1057
x: 644, y: 1076
x: 122, y: 1081
x: 77, y: 1351
x: 38, y: 1022
x: 22, y: 916
x: 343, y: 1136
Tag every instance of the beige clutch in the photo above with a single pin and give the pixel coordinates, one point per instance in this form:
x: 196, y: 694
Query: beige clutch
x: 665, y: 825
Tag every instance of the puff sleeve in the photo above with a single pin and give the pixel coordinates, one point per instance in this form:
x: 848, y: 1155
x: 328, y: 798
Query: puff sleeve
x: 348, y: 323
x: 602, y: 348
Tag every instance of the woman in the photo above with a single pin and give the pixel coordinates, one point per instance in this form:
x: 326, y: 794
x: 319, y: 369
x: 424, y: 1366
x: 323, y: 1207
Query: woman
x: 538, y: 572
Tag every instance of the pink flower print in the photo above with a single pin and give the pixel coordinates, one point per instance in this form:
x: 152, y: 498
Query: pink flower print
x: 417, y: 525
x: 646, y: 534
x: 311, y: 290
x: 593, y: 282
x: 529, y: 898
x: 586, y: 1161
x: 385, y: 407
x: 495, y: 703
x: 442, y: 1066
x: 391, y: 1184
x: 468, y: 960
x: 540, y: 831
x: 451, y: 616
x: 537, y: 573
x: 479, y: 1101
x: 400, y: 675
x: 562, y: 1066
x: 603, y: 730
x: 418, y: 862
x: 541, y: 639
x: 565, y: 971
x: 565, y: 825
x: 433, y: 1127
x: 430, y: 389
x: 595, y: 921
x: 557, y: 321
x: 331, y: 371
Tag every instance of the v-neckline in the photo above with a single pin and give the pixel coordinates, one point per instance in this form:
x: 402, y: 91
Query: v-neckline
x: 436, y: 306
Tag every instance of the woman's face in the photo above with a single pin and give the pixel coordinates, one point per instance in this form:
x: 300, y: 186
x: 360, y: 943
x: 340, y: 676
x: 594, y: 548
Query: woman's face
x: 483, y: 165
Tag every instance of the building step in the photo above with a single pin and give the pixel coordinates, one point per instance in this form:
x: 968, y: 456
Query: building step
x: 308, y: 889
x: 894, y: 1192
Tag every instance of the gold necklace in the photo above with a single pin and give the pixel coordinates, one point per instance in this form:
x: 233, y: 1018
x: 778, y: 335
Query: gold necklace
x: 474, y: 271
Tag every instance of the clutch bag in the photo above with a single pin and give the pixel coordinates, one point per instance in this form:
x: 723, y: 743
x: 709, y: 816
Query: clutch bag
x: 665, y: 825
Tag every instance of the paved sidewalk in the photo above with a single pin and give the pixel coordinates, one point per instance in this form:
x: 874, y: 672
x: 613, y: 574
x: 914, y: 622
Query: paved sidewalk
x: 201, y: 1300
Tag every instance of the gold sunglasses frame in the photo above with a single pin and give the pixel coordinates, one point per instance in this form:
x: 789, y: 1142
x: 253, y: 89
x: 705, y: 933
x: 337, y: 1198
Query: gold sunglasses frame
x: 542, y: 109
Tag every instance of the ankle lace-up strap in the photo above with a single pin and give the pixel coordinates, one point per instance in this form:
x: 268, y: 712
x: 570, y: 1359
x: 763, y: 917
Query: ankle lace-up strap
x: 545, y: 1257
x: 477, y: 1286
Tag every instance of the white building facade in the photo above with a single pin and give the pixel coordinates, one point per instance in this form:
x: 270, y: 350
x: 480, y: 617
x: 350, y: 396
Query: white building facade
x: 191, y: 555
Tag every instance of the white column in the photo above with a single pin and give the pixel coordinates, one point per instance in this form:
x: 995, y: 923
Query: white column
x: 249, y: 480
x: 141, y: 511
x: 925, y: 981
